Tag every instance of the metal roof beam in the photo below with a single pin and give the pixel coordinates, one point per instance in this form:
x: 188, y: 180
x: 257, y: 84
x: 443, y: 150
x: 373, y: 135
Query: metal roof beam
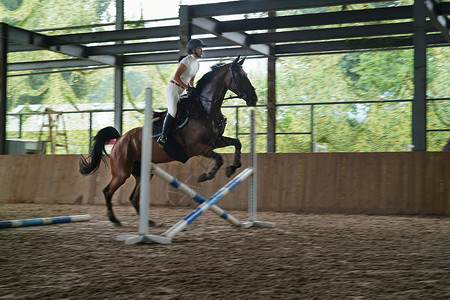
x: 127, y: 60
x: 26, y: 37
x: 151, y: 47
x: 439, y: 21
x: 213, y: 26
x: 51, y: 64
x: 260, y: 38
x: 112, y: 36
x: 336, y: 33
x: 173, y: 56
x: 42, y: 42
x: 231, y: 52
x: 254, y: 6
x: 133, y: 48
x: 329, y: 18
x: 281, y: 50
x: 21, y: 48
x: 152, y: 57
x: 356, y: 45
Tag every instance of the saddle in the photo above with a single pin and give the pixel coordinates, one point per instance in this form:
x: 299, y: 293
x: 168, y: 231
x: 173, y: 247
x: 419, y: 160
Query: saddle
x: 175, y: 146
x: 188, y: 108
x: 182, y: 117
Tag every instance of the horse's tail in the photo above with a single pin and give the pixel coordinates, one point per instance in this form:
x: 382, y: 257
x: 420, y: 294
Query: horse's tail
x: 97, y: 150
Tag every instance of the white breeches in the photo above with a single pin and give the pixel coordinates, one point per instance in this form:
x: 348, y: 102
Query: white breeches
x: 173, y: 93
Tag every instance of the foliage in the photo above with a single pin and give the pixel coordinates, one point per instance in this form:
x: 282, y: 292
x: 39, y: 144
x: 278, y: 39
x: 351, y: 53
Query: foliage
x: 370, y: 76
x: 309, y: 82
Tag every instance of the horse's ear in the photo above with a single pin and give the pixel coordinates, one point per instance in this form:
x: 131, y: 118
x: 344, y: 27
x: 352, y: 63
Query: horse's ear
x: 236, y: 60
x: 242, y: 61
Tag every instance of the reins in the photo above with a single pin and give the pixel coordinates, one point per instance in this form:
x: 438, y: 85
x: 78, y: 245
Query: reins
x: 232, y: 97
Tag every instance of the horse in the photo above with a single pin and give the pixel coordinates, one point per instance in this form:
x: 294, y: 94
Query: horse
x: 202, y: 133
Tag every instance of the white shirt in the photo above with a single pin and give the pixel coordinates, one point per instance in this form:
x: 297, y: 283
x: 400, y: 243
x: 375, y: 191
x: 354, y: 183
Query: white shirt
x: 192, y: 66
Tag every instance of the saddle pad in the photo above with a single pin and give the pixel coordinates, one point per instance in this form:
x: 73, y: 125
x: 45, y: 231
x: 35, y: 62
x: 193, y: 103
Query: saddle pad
x: 174, y: 150
x: 172, y: 147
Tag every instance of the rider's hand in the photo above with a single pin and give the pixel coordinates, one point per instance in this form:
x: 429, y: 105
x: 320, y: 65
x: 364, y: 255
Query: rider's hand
x: 191, y: 91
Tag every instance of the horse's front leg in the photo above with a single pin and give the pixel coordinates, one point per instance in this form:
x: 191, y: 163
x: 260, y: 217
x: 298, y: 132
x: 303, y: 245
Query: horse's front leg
x: 212, y: 173
x: 225, y: 142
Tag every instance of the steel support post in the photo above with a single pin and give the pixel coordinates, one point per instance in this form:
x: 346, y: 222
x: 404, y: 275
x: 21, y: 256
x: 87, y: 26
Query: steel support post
x: 118, y: 72
x: 118, y: 98
x: 271, y: 104
x: 185, y: 28
x: 271, y: 96
x: 3, y: 84
x: 419, y: 105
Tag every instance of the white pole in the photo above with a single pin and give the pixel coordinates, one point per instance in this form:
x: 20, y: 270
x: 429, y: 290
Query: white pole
x: 252, y: 204
x: 146, y: 157
x: 252, y: 188
x: 144, y: 197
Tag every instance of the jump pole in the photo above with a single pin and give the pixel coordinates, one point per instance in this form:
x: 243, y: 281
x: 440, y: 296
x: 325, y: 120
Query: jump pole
x: 180, y: 225
x: 44, y: 221
x: 148, y: 167
x: 144, y: 197
x: 253, y: 182
x: 210, y: 203
x: 171, y: 180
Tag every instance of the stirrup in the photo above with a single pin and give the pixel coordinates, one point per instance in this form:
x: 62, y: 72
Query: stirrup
x: 161, y: 140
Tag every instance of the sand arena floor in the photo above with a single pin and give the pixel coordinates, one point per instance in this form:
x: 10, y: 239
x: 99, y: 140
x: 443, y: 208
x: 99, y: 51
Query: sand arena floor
x: 307, y: 256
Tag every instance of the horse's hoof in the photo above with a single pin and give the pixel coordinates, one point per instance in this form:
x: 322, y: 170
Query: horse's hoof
x: 205, y: 176
x: 230, y: 171
x: 151, y: 223
x: 202, y: 178
x: 115, y: 221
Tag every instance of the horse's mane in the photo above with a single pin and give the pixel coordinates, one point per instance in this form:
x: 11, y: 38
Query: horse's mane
x: 202, y: 82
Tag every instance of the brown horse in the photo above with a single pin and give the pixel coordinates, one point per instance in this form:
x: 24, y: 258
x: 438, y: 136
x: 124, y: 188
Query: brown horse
x: 200, y: 136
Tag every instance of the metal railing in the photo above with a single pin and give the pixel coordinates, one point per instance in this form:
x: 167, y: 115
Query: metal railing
x: 240, y: 130
x: 313, y: 105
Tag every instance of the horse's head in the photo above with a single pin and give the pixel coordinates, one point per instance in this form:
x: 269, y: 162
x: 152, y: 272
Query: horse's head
x: 240, y: 84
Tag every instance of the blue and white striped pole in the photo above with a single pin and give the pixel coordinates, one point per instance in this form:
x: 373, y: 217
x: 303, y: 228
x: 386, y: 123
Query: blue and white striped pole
x: 192, y: 194
x: 171, y: 232
x: 44, y: 221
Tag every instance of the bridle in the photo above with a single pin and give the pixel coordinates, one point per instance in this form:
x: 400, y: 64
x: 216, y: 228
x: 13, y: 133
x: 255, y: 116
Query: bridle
x: 240, y: 94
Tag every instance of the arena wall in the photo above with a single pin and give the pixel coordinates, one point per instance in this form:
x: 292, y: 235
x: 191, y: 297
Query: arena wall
x: 367, y: 183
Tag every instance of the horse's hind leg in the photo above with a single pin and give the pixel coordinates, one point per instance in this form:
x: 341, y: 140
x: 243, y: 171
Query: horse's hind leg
x: 108, y: 191
x: 212, y: 173
x: 227, y: 141
x: 135, y: 198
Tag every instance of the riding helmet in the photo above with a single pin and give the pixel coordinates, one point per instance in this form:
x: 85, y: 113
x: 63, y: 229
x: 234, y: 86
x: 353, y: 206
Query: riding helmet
x: 194, y: 43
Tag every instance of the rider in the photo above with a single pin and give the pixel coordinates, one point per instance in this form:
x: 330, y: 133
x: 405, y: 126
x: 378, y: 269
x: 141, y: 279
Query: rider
x: 181, y: 81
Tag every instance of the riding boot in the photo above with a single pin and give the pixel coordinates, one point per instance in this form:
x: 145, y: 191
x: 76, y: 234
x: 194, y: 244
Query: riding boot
x: 167, y: 126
